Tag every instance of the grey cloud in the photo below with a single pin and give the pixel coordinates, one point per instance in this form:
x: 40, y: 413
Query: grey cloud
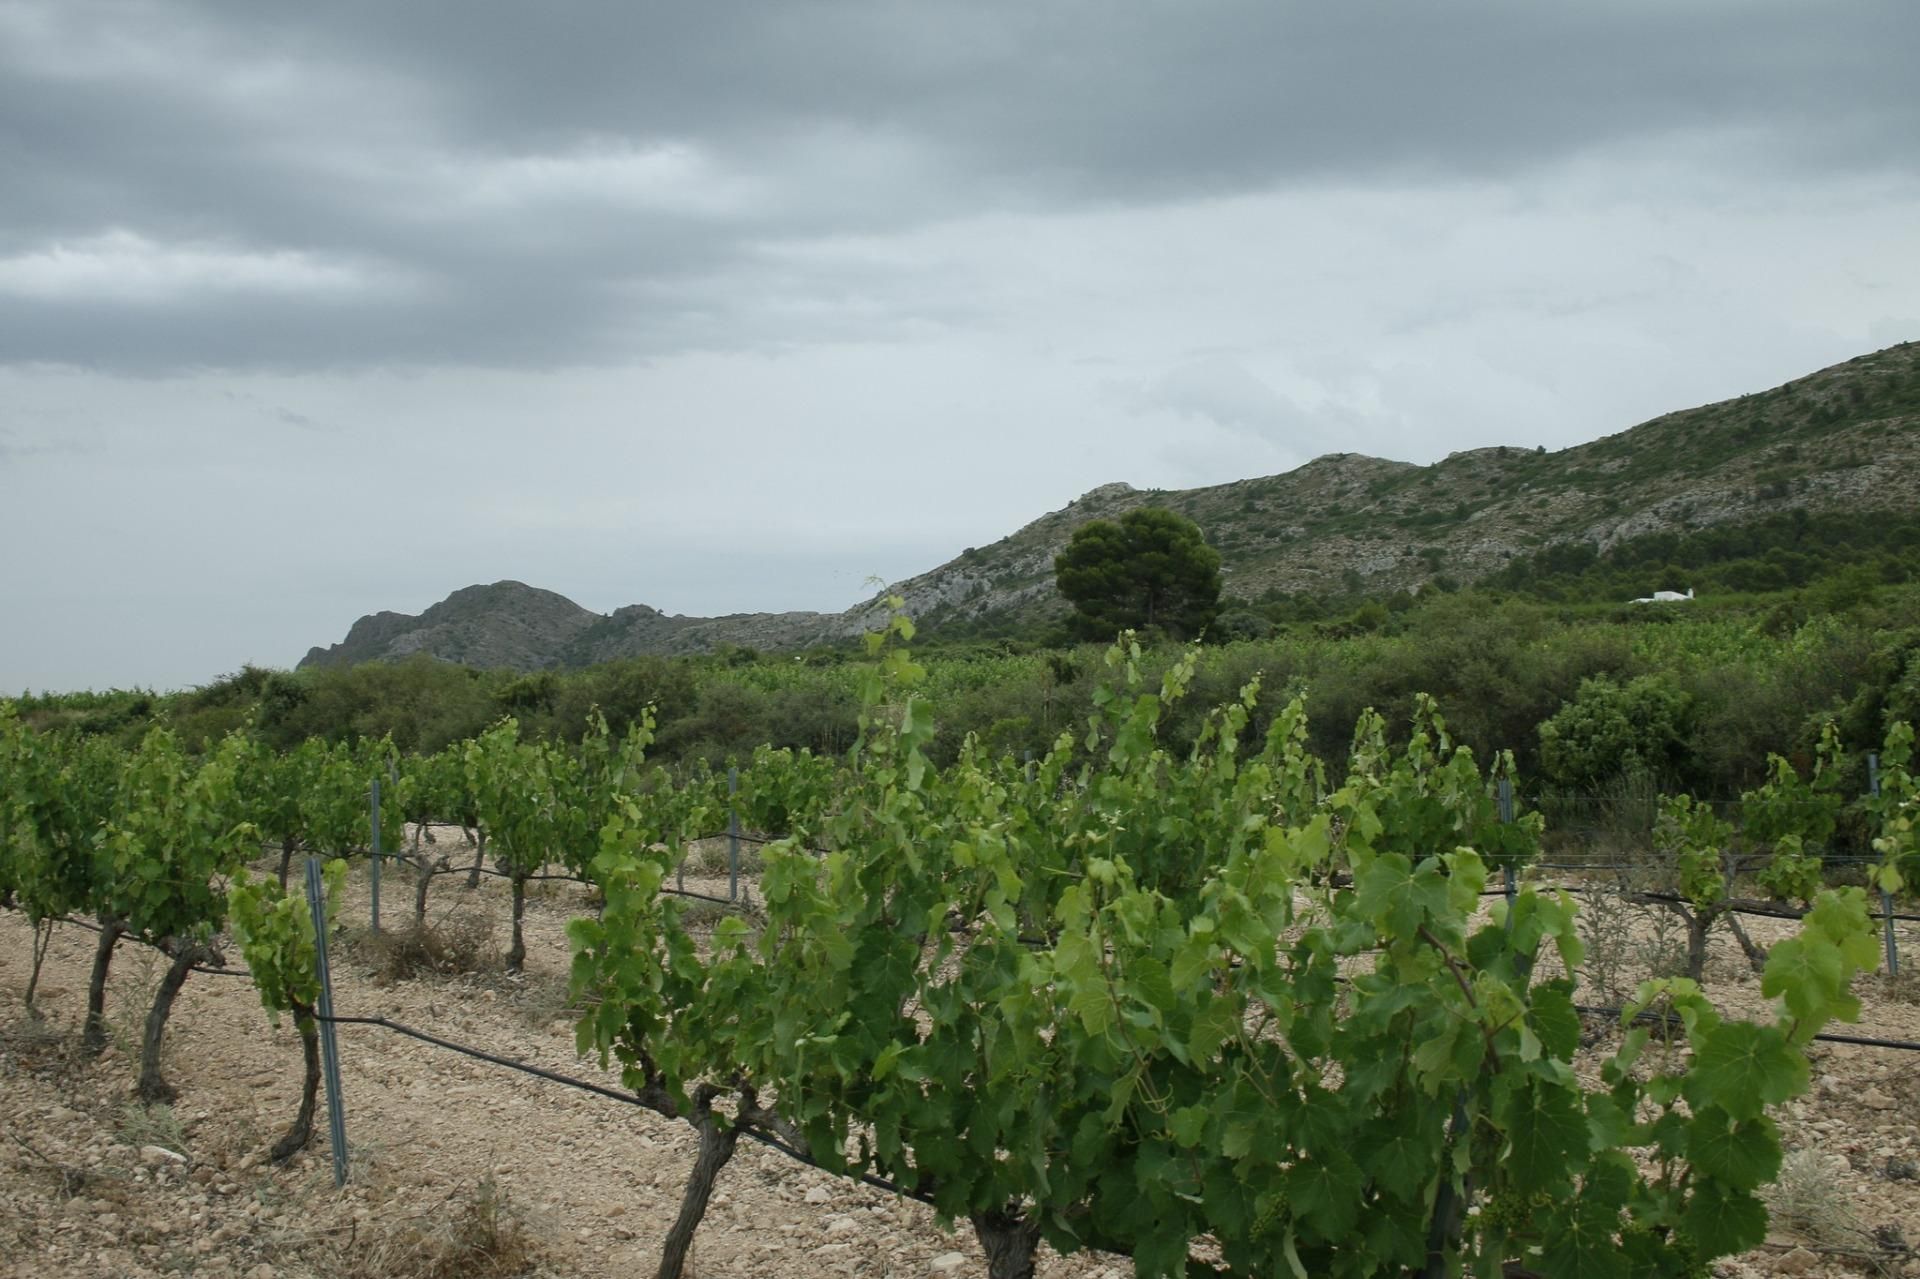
x: 18, y: 446
x: 1221, y: 390
x: 1113, y: 98
x: 504, y: 177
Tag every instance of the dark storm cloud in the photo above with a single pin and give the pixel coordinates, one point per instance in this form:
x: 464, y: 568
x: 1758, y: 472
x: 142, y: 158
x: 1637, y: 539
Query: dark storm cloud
x: 1158, y: 97
x: 334, y: 186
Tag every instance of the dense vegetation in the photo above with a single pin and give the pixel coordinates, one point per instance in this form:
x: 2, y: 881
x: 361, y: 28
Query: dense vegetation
x: 1731, y: 679
x: 1125, y: 996
x: 1842, y: 556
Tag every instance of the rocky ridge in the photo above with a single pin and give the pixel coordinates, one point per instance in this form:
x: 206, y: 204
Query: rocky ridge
x: 1846, y: 437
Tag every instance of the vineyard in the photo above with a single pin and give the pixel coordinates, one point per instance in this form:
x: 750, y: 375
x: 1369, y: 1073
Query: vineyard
x: 1239, y: 1010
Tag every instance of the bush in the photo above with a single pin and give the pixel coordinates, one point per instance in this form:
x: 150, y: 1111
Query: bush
x: 1609, y: 730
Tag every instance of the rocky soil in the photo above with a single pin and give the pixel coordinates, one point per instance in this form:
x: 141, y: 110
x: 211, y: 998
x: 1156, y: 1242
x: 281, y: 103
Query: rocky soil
x: 459, y: 1164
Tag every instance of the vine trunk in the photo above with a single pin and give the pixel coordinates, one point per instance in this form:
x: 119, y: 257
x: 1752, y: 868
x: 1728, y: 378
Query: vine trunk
x: 297, y: 1137
x: 93, y: 1039
x: 717, y: 1140
x: 151, y: 1087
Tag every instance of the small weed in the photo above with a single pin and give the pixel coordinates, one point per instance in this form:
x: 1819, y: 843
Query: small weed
x: 698, y: 915
x: 543, y: 998
x: 1807, y: 1199
x: 712, y: 858
x: 127, y: 1017
x: 1663, y: 951
x: 1905, y: 988
x: 1606, y: 926
x: 478, y: 1235
x: 38, y: 1045
x: 458, y: 944
x: 154, y: 1125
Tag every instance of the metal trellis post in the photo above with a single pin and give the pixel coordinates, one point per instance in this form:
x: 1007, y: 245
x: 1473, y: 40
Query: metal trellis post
x: 329, y: 1048
x: 733, y: 834
x: 1886, y: 898
x: 376, y: 853
x: 1505, y: 793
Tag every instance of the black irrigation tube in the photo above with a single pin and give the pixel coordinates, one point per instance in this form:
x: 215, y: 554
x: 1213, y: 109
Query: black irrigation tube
x: 702, y: 897
x: 486, y: 870
x: 761, y: 840
x: 588, y: 883
x: 612, y: 1094
x: 1782, y: 912
x: 1671, y: 1019
x: 1620, y: 866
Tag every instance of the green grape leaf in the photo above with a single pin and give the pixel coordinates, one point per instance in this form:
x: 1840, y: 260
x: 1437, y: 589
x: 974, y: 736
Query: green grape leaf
x: 1399, y: 898
x: 1745, y: 1156
x: 1722, y: 1222
x: 1547, y: 1131
x: 1555, y: 1021
x: 1325, y: 1193
x: 1188, y: 1125
x: 1743, y: 1068
x: 1402, y: 1159
x: 1806, y: 973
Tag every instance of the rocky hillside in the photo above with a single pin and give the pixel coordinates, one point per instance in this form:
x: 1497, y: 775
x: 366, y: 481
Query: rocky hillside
x: 1845, y: 438
x: 519, y: 627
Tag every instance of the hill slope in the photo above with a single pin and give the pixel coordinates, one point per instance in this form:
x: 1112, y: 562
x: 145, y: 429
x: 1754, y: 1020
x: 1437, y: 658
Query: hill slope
x: 1845, y: 438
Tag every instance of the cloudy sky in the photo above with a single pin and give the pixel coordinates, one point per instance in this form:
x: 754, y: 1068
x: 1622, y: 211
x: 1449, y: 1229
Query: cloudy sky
x: 310, y: 310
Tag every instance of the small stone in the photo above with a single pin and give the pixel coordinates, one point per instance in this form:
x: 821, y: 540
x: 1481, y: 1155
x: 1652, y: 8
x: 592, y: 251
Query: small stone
x: 161, y: 1157
x: 843, y: 1226
x: 616, y: 1210
x: 1796, y: 1262
x: 1874, y: 1099
x: 947, y: 1263
x: 263, y: 1271
x: 818, y: 1194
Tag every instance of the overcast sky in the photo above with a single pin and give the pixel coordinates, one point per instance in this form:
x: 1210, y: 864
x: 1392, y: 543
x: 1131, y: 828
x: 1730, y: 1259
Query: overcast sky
x: 310, y: 310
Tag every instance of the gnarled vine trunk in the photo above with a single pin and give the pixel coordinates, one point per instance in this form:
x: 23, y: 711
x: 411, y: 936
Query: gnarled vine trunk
x: 151, y: 1087
x: 1699, y: 923
x: 717, y: 1140
x: 1756, y: 953
x: 423, y: 870
x: 297, y: 1137
x: 42, y: 938
x: 93, y: 1039
x: 479, y: 838
x: 517, y: 954
x: 287, y: 846
x: 1009, y: 1238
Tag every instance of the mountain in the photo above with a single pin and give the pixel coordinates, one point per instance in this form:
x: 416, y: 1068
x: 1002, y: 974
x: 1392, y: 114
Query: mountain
x: 1846, y: 438
x: 519, y: 627
x: 507, y: 624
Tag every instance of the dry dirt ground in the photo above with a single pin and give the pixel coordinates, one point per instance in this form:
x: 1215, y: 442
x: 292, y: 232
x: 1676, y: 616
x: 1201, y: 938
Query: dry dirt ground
x: 451, y: 1153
